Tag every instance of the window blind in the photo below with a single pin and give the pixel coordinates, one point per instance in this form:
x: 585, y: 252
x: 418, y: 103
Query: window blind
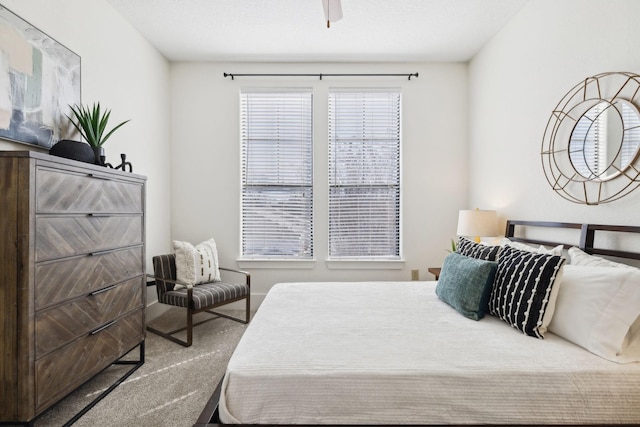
x: 364, y: 174
x: 593, y: 150
x: 584, y: 147
x: 631, y: 140
x: 277, y: 174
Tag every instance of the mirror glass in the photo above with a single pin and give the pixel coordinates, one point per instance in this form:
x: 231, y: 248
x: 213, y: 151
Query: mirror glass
x: 605, y: 140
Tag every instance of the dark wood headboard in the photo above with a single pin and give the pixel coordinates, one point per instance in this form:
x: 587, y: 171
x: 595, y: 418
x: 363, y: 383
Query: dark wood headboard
x: 586, y: 240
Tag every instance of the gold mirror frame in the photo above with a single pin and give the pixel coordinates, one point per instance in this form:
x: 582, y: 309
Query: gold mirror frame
x: 615, y: 180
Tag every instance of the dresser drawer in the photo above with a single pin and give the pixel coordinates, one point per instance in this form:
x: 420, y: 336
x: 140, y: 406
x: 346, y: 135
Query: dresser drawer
x: 57, y: 281
x: 62, y: 324
x: 58, y: 237
x: 64, y: 192
x: 60, y: 372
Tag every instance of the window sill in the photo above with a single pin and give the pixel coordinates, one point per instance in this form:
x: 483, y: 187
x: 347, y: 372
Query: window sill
x: 277, y: 263
x: 362, y: 264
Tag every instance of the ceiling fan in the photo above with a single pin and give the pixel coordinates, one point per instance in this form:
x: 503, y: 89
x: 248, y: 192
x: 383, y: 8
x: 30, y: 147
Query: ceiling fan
x: 332, y: 11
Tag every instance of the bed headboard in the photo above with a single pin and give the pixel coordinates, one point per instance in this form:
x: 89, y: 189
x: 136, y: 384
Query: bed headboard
x: 586, y: 240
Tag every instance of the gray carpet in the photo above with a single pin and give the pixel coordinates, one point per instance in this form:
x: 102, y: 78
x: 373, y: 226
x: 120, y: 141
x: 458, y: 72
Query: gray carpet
x: 170, y: 389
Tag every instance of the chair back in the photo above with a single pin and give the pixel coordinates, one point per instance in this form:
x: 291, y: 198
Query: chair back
x: 164, y: 266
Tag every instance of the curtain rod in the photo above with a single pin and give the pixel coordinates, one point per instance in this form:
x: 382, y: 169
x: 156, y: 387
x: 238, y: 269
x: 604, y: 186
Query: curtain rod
x: 320, y: 75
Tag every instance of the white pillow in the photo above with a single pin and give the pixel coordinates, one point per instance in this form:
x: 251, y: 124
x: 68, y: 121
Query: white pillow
x: 196, y: 264
x: 598, y: 309
x: 579, y: 257
x: 557, y: 250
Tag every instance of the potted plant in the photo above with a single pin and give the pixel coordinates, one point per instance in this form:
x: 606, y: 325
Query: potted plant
x: 92, y: 124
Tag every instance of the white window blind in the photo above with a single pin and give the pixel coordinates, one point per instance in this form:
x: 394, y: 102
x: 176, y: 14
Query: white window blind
x: 364, y: 174
x: 594, y: 146
x: 585, y: 149
x: 277, y: 174
x: 631, y: 140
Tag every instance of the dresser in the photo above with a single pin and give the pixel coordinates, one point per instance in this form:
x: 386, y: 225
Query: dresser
x: 72, y: 287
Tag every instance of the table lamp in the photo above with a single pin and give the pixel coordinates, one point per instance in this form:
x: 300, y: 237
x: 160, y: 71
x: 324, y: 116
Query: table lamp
x: 477, y: 223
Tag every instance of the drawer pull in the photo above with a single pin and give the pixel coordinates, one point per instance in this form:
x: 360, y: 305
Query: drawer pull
x: 104, y: 178
x: 98, y: 253
x: 102, y: 328
x: 99, y: 291
x: 98, y: 215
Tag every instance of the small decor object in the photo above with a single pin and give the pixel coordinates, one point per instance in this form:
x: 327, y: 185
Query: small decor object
x: 74, y: 150
x: 591, y: 145
x: 92, y: 124
x: 124, y: 165
x: 38, y: 77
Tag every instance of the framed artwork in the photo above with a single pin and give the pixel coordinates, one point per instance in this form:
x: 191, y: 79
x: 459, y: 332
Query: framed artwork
x: 39, y: 79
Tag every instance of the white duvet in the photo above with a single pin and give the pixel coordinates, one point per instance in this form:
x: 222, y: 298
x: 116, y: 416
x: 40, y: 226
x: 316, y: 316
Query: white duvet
x: 393, y: 353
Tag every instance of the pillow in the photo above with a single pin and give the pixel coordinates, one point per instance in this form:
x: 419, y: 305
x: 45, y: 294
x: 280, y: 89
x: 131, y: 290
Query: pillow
x: 579, y: 257
x: 525, y: 289
x: 598, y: 308
x: 196, y: 264
x: 465, y: 284
x: 472, y: 249
x: 556, y: 250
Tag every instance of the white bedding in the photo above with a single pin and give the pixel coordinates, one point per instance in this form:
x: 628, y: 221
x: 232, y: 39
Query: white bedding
x: 393, y: 353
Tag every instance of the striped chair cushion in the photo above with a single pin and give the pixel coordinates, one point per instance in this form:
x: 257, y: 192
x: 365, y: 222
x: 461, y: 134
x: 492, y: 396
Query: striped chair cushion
x: 206, y: 294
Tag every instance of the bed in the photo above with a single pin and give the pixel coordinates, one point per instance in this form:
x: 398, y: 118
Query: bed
x: 397, y: 353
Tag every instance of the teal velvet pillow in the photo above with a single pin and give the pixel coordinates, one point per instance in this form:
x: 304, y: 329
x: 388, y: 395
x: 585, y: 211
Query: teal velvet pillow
x: 465, y: 284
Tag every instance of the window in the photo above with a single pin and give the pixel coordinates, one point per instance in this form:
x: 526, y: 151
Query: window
x: 604, y: 140
x: 631, y: 139
x: 364, y: 174
x: 585, y: 149
x: 277, y: 174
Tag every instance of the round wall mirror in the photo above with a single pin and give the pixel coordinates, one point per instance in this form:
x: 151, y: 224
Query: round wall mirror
x: 605, y: 140
x: 591, y: 145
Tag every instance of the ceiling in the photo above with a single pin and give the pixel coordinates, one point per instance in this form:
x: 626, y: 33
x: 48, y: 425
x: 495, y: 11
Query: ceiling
x: 295, y: 30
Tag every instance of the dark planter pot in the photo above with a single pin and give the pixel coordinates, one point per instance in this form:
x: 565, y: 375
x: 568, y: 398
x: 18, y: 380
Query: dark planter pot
x: 75, y: 150
x: 98, y: 153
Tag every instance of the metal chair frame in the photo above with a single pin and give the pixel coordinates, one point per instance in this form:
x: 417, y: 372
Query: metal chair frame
x: 191, y: 311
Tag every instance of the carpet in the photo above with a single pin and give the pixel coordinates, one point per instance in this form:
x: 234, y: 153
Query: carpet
x: 170, y: 389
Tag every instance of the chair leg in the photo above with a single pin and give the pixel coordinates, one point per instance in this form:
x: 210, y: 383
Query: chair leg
x: 189, y: 327
x: 191, y: 324
x: 169, y: 335
x: 248, y: 314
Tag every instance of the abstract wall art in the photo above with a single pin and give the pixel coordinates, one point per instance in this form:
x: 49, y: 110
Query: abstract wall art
x: 39, y: 79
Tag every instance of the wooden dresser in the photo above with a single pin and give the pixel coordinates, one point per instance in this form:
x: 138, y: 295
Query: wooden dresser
x: 72, y: 287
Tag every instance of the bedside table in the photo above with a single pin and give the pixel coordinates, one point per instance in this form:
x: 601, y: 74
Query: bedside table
x: 435, y: 271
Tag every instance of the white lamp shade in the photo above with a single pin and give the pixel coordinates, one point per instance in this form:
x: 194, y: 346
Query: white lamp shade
x: 477, y: 223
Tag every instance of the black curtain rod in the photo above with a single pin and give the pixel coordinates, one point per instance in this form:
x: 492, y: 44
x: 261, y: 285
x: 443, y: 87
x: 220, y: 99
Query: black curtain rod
x: 320, y: 75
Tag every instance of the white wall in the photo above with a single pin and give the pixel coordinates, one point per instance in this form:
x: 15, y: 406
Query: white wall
x: 516, y: 81
x: 125, y: 73
x: 499, y: 105
x: 205, y: 160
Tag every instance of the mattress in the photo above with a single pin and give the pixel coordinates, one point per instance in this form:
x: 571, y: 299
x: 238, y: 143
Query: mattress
x: 393, y: 353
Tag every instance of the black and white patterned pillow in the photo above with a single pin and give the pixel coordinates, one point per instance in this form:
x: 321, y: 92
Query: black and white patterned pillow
x: 524, y: 290
x: 472, y: 249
